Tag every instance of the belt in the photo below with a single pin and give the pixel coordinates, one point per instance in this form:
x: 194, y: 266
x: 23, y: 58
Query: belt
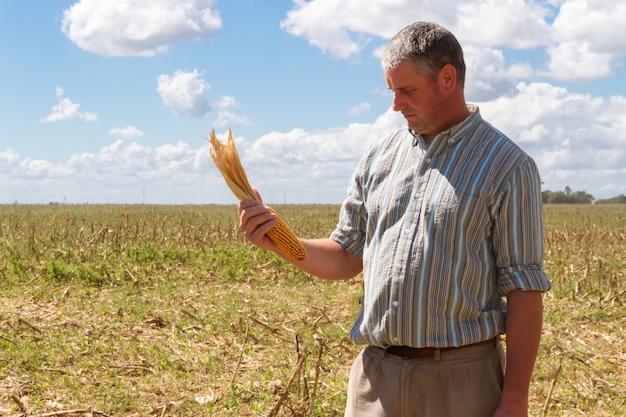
x: 407, y: 352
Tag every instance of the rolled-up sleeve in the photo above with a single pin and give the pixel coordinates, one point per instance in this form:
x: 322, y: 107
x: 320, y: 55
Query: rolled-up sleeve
x: 351, y: 229
x: 518, y: 233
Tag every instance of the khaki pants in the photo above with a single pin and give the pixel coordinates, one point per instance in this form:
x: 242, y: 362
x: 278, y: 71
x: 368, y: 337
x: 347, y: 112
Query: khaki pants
x: 461, y: 383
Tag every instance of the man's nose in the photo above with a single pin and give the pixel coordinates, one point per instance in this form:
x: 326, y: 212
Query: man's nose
x: 398, y: 102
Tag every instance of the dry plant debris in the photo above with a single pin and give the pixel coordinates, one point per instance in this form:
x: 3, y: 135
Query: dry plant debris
x: 169, y: 312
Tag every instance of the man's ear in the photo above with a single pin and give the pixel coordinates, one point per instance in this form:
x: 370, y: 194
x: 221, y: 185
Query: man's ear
x: 447, y: 77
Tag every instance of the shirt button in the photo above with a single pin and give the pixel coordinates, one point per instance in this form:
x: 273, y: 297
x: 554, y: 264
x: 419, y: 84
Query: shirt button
x: 395, y: 304
x: 428, y: 160
x: 395, y: 339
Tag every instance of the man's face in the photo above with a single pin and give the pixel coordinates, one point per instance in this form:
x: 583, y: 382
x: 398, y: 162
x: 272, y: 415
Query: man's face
x: 418, y: 98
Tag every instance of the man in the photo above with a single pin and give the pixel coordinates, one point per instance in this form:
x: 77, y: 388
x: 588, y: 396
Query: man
x: 444, y: 219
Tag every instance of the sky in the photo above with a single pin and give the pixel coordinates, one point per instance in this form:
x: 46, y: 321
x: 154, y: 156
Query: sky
x: 111, y: 102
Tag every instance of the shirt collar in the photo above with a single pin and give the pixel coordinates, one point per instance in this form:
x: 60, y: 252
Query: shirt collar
x: 450, y: 135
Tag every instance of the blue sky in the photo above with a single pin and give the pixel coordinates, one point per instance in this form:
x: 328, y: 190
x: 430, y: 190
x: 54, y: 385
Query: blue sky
x: 109, y: 102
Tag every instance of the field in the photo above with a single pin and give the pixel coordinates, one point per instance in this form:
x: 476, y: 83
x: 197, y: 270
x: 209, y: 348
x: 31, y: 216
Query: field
x: 166, y: 311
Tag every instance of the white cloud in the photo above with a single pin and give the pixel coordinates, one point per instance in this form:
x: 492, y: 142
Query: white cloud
x: 317, y: 147
x: 138, y: 27
x: 343, y: 29
x: 8, y: 159
x: 587, y: 40
x: 178, y: 173
x: 360, y: 108
x: 118, y: 173
x: 226, y: 118
x: 573, y: 61
x: 517, y: 24
x: 583, y: 38
x: 306, y: 20
x: 227, y: 102
x: 321, y: 161
x: 128, y: 132
x: 488, y: 75
x: 34, y: 168
x: 576, y: 139
x: 66, y: 110
x: 184, y: 93
x: 598, y: 22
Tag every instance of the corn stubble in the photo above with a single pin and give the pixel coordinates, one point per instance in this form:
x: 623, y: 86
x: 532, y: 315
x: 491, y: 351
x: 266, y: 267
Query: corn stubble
x: 227, y: 160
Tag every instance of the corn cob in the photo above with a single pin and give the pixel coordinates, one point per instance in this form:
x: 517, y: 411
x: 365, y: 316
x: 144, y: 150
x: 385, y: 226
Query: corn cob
x: 227, y: 161
x: 282, y: 235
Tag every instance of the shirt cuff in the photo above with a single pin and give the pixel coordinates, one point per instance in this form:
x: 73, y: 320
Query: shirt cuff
x: 523, y: 278
x: 351, y: 243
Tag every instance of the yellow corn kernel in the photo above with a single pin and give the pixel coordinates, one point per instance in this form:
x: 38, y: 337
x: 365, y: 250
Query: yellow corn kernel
x: 285, y: 239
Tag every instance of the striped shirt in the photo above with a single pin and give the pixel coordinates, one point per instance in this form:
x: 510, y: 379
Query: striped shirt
x: 445, y: 231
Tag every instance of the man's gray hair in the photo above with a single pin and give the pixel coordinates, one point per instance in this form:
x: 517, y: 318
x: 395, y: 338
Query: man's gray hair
x: 429, y: 47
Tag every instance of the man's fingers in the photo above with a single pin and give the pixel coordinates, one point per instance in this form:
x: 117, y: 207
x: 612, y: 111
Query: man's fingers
x: 255, y: 220
x: 257, y: 228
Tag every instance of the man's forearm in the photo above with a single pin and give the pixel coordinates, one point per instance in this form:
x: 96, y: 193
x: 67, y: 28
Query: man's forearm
x: 326, y: 259
x: 523, y: 333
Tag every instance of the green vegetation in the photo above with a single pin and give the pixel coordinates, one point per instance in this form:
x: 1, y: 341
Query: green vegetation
x: 168, y: 311
x: 566, y: 197
x: 620, y: 199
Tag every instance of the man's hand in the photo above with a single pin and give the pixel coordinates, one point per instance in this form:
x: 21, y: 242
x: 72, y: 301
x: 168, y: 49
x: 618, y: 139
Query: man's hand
x: 255, y: 220
x: 511, y: 410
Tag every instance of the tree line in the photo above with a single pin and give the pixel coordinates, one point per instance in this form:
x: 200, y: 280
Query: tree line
x: 567, y: 196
